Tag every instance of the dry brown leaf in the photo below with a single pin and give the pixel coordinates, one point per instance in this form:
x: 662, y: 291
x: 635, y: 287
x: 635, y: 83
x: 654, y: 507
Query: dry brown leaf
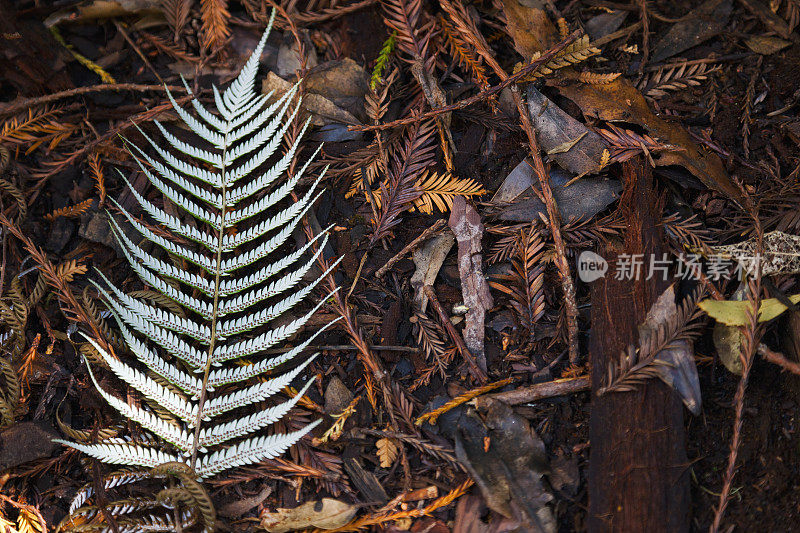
x: 619, y: 101
x: 566, y: 140
x: 529, y: 27
x: 323, y: 514
x: 387, y: 452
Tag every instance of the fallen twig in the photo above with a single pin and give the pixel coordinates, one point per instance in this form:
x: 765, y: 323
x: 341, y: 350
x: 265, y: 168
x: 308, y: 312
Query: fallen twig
x: 483, y: 95
x: 778, y: 359
x: 14, y: 107
x: 474, y: 369
x: 571, y: 306
x: 409, y: 247
x: 751, y: 336
x: 540, y: 391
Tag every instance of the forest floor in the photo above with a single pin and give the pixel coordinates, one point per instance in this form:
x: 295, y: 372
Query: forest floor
x: 454, y: 390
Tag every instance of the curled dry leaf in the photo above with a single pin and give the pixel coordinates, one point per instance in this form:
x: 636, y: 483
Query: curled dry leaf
x: 567, y: 141
x: 619, y: 101
x: 428, y: 260
x: 529, y: 26
x: 326, y: 513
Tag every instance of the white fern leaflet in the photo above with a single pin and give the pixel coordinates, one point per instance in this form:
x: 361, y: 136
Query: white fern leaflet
x: 201, y: 396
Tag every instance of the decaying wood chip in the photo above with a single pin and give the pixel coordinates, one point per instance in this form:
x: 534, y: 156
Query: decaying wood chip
x: 466, y: 225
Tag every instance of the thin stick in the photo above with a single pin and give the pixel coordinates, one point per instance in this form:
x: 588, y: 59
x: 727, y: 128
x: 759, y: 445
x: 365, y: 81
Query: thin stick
x: 138, y: 51
x: 410, y: 246
x: 555, y: 228
x: 751, y: 333
x: 540, y: 391
x: 474, y: 369
x: 483, y: 95
x: 433, y: 416
x: 14, y: 107
x: 778, y: 359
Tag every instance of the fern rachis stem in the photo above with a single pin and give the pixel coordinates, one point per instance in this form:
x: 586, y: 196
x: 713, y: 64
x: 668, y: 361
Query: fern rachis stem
x: 214, y: 309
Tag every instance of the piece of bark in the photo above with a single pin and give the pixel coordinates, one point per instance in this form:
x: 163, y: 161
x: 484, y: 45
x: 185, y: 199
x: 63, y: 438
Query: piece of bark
x: 367, y: 484
x: 638, y: 470
x: 466, y: 225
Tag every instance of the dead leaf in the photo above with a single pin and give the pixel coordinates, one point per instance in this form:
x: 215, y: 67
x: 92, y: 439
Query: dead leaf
x: 509, y: 473
x: 781, y: 254
x: 334, y: 92
x: 324, y: 514
x: 387, y: 452
x: 766, y: 44
x: 582, y: 199
x: 289, y: 61
x: 517, y: 182
x: 605, y: 23
x: 343, y: 82
x: 705, y: 21
x: 428, y: 260
x: 466, y: 225
x: 619, y: 101
x: 680, y: 370
x: 529, y: 26
x: 768, y: 17
x: 565, y: 140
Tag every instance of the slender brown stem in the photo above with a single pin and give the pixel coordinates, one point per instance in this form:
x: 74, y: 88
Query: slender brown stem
x: 747, y: 354
x: 571, y: 306
x: 778, y: 359
x: 21, y: 105
x: 483, y: 95
x: 410, y: 246
x: 474, y: 369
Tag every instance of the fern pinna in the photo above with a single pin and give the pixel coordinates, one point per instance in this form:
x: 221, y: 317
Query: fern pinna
x: 206, y: 379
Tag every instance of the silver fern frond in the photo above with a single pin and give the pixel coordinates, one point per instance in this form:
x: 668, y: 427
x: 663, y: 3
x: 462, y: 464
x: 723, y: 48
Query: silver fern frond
x: 199, y: 392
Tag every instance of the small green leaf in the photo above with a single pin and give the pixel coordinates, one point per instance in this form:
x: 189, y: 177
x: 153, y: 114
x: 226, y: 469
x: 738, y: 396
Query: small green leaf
x: 734, y: 313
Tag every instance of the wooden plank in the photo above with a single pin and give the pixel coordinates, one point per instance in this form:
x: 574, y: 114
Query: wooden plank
x: 638, y: 471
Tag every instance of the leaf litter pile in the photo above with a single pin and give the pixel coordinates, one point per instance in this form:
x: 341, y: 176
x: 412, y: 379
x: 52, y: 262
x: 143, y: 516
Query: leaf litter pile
x: 568, y: 244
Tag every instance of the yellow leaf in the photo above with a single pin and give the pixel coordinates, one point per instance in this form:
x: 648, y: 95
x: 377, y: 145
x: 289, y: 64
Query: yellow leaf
x: 734, y: 312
